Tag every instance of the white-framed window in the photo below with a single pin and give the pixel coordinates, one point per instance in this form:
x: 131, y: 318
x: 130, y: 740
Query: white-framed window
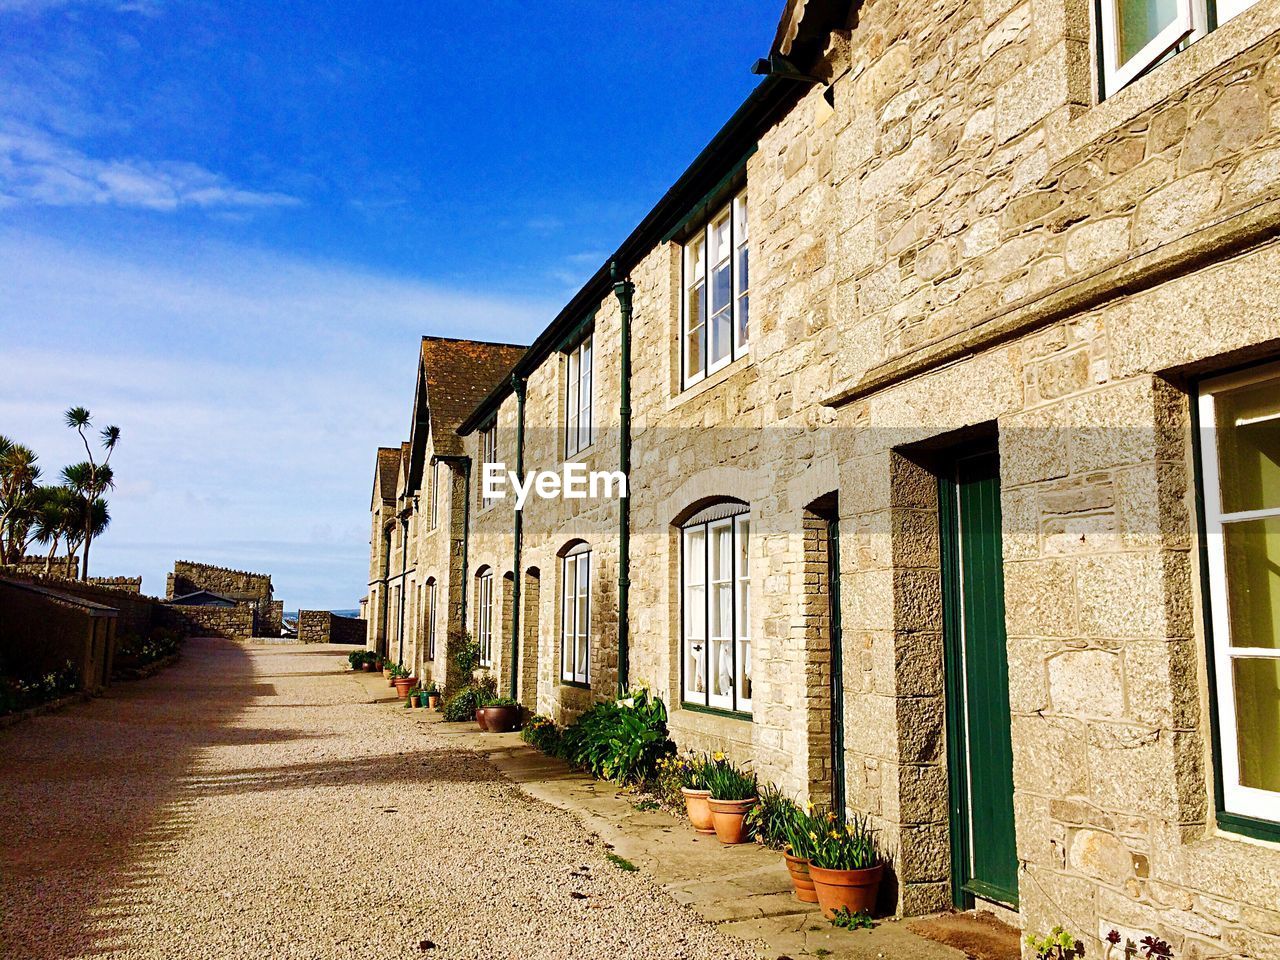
x: 431, y: 618
x: 1135, y: 34
x: 1240, y: 467
x: 575, y: 615
x: 484, y: 616
x: 488, y: 454
x: 578, y: 433
x: 715, y: 327
x: 434, y: 502
x: 716, y: 608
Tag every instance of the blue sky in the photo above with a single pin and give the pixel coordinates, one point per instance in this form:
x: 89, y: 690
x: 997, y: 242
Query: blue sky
x: 225, y: 229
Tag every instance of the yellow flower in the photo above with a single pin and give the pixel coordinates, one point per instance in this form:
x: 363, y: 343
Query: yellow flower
x: 812, y: 835
x: 808, y: 807
x: 717, y: 756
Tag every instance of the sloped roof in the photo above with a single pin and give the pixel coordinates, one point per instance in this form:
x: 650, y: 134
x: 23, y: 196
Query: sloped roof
x: 204, y: 598
x: 458, y: 374
x: 388, y: 470
x: 804, y: 27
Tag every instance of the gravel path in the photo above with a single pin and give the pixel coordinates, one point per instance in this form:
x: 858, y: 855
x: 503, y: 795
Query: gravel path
x: 247, y: 802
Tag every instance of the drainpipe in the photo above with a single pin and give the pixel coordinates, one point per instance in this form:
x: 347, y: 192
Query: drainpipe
x: 404, y: 568
x: 518, y: 385
x: 624, y: 290
x: 464, y: 464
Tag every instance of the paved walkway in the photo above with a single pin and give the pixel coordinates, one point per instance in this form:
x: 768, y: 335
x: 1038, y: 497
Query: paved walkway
x: 250, y: 802
x: 262, y: 802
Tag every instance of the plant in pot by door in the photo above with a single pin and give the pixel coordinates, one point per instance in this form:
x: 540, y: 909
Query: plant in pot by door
x: 415, y: 697
x: 733, y: 793
x: 401, y: 680
x: 689, y: 771
x: 801, y: 832
x: 845, y: 865
x: 431, y: 696
x: 501, y: 715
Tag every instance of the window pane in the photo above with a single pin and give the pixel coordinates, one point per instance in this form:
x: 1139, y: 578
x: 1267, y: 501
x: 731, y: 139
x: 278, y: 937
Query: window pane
x: 1138, y: 22
x: 696, y: 338
x: 1257, y: 687
x: 1248, y: 432
x: 1252, y: 551
x: 695, y: 611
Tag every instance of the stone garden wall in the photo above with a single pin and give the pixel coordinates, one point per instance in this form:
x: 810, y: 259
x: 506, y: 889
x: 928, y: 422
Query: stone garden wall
x: 234, y: 623
x: 321, y: 626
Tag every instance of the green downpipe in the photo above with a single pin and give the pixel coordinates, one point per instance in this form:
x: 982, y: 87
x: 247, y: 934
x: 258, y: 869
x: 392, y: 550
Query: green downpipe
x: 624, y: 290
x: 518, y: 384
x: 464, y: 464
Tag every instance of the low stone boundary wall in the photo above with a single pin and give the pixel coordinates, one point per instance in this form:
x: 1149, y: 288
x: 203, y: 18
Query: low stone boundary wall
x: 235, y: 623
x: 321, y: 626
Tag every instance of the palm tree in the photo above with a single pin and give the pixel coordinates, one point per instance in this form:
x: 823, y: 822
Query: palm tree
x: 57, y: 519
x: 93, y: 479
x: 18, y: 477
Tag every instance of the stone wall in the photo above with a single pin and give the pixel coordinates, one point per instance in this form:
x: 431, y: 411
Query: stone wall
x: 234, y: 623
x: 127, y: 584
x: 136, y: 613
x: 321, y: 626
x: 68, y: 567
x: 188, y: 577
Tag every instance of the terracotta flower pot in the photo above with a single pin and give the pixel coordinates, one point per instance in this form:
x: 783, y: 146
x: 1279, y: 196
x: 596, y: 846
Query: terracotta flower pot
x: 727, y: 817
x: 402, y: 685
x: 698, y: 809
x: 433, y: 701
x: 855, y: 890
x: 480, y: 718
x: 502, y: 719
x: 798, y: 867
x: 369, y: 668
x: 386, y: 673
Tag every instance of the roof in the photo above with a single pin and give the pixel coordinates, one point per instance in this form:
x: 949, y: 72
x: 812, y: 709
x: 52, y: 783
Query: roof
x: 457, y: 375
x: 772, y: 97
x: 388, y: 467
x: 805, y: 26
x: 70, y: 599
x: 204, y: 598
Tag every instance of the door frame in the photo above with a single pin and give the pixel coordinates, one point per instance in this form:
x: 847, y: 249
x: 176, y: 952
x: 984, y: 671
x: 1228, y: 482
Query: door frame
x: 838, y: 788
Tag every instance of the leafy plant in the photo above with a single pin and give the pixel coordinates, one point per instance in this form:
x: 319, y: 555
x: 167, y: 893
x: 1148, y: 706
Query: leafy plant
x: 845, y: 919
x: 540, y: 732
x: 620, y: 740
x: 676, y: 773
x: 1057, y: 944
x: 398, y: 671
x: 843, y: 846
x: 467, y: 656
x: 801, y: 831
x: 728, y: 782
x: 622, y: 863
x: 463, y: 704
x: 767, y: 820
x: 500, y: 702
x: 1154, y: 947
x: 432, y: 690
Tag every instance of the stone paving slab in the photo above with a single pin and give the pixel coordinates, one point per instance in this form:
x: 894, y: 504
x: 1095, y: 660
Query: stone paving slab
x: 744, y: 889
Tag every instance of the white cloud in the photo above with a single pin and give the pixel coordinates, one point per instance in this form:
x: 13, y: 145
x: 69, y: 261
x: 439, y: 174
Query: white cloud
x: 35, y: 168
x: 149, y: 8
x: 252, y: 389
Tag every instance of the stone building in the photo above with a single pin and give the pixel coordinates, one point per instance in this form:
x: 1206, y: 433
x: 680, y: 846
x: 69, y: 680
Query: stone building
x: 415, y: 608
x: 250, y: 589
x: 946, y: 383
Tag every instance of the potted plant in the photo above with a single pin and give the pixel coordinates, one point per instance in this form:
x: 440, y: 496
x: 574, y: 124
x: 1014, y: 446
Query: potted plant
x: 733, y: 793
x: 501, y: 715
x: 415, y: 698
x: 691, y: 772
x: 431, y: 696
x: 845, y: 865
x: 801, y: 832
x: 402, y: 681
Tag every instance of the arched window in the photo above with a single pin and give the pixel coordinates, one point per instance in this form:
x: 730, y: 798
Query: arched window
x: 484, y: 615
x: 575, y: 613
x: 715, y: 587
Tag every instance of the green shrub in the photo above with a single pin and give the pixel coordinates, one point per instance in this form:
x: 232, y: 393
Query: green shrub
x: 540, y: 732
x: 463, y: 704
x: 728, y: 782
x: 466, y: 656
x: 769, y: 819
x: 676, y: 773
x: 500, y: 702
x: 620, y: 740
x: 19, y: 693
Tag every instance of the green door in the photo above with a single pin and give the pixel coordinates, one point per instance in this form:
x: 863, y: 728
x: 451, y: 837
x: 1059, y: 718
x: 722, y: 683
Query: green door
x: 980, y: 754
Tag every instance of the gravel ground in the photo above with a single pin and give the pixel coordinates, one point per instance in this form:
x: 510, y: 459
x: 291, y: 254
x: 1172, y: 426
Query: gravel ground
x: 247, y: 802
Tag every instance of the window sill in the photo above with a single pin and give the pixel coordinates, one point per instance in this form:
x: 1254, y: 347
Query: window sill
x: 716, y: 711
x: 1235, y: 826
x: 575, y: 684
x: 706, y: 384
x: 1157, y: 84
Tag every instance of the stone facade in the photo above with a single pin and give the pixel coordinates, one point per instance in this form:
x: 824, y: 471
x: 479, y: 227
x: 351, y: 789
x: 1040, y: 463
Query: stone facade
x: 955, y: 246
x: 233, y: 623
x: 240, y: 585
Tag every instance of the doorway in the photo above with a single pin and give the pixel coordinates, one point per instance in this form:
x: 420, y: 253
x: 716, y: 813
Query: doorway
x: 984, y: 859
